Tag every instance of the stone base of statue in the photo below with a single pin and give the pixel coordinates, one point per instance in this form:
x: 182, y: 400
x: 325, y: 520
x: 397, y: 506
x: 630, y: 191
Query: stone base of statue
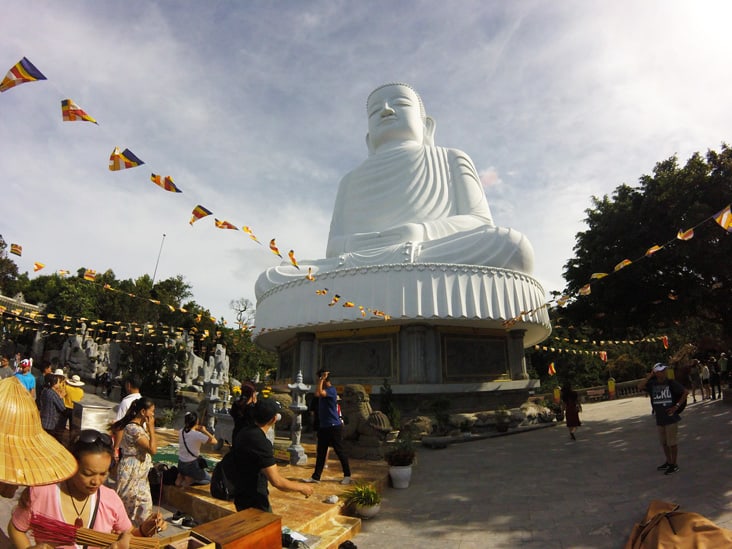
x: 445, y: 332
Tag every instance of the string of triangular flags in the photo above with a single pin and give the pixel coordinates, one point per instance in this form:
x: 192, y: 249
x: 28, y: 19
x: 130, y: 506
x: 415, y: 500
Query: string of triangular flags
x: 24, y: 71
x: 102, y: 330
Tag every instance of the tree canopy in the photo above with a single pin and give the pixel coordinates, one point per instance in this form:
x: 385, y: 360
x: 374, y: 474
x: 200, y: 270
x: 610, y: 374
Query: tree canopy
x: 681, y: 290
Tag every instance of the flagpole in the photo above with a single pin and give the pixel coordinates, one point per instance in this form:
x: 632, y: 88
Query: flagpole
x: 158, y: 261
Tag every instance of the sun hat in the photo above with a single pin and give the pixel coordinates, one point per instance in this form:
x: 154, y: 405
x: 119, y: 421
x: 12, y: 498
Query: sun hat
x: 659, y: 367
x: 75, y: 381
x: 59, y: 372
x: 29, y: 456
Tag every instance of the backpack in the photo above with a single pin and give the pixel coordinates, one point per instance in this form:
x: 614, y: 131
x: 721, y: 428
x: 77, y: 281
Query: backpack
x: 221, y: 485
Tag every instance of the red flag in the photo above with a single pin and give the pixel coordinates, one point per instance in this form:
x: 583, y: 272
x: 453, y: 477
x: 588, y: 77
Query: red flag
x: 664, y: 339
x: 199, y: 212
x: 552, y: 370
x: 685, y: 235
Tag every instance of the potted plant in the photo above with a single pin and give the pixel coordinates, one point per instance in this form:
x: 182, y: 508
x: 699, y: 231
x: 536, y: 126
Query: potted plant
x: 363, y: 499
x: 503, y: 418
x: 400, y: 458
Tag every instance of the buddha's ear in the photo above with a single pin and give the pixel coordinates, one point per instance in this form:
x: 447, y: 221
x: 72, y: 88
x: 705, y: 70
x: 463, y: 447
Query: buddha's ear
x: 369, y: 145
x: 429, y: 131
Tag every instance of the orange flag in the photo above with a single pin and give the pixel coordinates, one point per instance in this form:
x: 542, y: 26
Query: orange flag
x: 685, y: 235
x: 291, y: 255
x: 248, y: 230
x: 310, y: 276
x: 273, y: 247
x: 38, y: 266
x: 552, y: 370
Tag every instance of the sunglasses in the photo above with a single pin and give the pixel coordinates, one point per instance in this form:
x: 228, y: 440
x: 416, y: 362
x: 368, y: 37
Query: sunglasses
x: 92, y: 436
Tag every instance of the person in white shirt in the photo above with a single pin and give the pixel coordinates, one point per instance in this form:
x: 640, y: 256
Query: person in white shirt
x: 132, y: 388
x: 190, y: 439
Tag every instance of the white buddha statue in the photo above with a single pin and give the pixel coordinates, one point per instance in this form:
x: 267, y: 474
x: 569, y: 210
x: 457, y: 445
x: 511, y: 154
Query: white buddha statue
x: 410, y: 202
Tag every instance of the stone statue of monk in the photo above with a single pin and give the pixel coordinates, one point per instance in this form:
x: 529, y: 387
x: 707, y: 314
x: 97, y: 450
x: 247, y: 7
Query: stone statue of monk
x: 410, y: 202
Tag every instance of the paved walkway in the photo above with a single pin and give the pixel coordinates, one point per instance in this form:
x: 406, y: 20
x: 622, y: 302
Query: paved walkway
x: 541, y: 490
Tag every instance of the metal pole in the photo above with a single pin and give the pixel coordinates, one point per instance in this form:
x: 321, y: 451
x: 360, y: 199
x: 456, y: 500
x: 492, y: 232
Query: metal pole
x: 158, y: 261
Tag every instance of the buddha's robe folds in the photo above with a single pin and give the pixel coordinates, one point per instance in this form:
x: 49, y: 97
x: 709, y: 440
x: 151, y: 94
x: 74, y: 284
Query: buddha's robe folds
x: 412, y: 204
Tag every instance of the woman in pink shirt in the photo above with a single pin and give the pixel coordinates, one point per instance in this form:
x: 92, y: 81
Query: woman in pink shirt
x: 81, y: 500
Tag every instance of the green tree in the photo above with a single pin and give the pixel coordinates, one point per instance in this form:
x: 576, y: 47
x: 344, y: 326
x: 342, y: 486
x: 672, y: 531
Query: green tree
x: 8, y: 271
x: 682, y: 290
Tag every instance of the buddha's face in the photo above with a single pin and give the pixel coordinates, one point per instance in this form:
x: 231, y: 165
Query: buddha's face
x: 394, y: 116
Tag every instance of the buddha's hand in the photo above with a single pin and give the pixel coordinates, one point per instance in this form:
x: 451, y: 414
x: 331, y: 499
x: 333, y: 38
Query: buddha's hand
x: 410, y: 232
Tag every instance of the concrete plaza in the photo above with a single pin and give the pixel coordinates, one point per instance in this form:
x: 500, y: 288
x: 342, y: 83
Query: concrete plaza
x: 542, y: 490
x: 539, y: 489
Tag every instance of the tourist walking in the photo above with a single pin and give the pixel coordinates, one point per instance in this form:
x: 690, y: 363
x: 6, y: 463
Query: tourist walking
x: 138, y: 444
x: 668, y: 398
x: 191, y: 437
x: 330, y: 429
x: 706, y: 389
x: 695, y: 379
x: 715, y: 379
x: 723, y: 364
x: 53, y: 411
x: 74, y: 394
x: 255, y: 464
x: 572, y: 407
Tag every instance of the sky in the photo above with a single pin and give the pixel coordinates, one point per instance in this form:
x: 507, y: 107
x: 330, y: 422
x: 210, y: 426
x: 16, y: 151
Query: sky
x: 257, y: 109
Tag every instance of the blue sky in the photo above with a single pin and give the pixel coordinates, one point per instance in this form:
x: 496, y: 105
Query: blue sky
x: 257, y: 109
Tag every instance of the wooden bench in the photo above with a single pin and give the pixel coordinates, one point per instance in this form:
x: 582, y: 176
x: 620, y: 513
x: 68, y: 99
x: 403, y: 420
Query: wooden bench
x: 595, y: 394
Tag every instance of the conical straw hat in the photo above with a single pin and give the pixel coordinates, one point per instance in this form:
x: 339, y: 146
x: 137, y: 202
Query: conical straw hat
x: 29, y: 456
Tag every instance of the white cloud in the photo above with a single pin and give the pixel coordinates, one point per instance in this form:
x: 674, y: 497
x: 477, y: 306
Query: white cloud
x: 257, y: 110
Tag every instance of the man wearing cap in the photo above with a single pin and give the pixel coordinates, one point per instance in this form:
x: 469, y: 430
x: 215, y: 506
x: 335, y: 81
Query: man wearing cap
x: 255, y: 463
x: 25, y: 376
x: 668, y: 397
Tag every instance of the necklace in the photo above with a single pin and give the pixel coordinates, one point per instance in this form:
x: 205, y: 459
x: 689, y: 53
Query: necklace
x: 78, y: 522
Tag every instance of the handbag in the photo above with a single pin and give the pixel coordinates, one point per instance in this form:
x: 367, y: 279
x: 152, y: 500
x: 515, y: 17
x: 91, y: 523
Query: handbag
x: 200, y: 460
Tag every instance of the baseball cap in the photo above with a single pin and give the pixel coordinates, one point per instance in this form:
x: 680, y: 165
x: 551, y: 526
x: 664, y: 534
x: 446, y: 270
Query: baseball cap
x: 659, y: 367
x: 265, y: 410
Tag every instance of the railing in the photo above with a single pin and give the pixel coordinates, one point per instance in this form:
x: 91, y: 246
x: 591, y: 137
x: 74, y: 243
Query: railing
x: 626, y: 389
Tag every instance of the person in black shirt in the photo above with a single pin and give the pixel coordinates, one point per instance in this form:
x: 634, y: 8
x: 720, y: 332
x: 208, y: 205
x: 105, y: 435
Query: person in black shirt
x: 668, y: 399
x: 255, y: 463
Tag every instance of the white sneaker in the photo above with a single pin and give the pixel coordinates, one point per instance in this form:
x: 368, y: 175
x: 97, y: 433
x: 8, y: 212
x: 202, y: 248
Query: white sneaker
x: 311, y: 480
x: 347, y: 480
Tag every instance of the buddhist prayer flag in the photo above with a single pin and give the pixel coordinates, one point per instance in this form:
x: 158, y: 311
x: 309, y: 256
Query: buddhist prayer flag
x: 724, y: 219
x: 598, y: 275
x: 199, y: 212
x: 249, y: 231
x: 552, y: 370
x: 349, y: 304
x: 322, y: 292
x: 23, y: 71
x: 225, y: 225
x: 585, y: 290
x: 71, y: 112
x: 652, y: 250
x: 165, y: 182
x: 291, y: 255
x: 62, y: 272
x: 16, y: 249
x: 603, y: 355
x: 90, y: 274
x: 123, y: 160
x: 622, y: 264
x: 685, y: 235
x: 664, y: 340
x: 273, y: 247
x: 310, y: 276
x: 38, y: 266
x: 333, y: 301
